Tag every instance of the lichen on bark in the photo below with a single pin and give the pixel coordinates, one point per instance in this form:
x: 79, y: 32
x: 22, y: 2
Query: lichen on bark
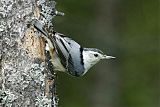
x: 23, y: 71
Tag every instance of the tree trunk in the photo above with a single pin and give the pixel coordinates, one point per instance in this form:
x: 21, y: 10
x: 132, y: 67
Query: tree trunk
x: 25, y: 78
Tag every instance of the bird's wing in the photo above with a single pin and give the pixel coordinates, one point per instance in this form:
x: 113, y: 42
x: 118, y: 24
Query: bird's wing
x: 69, y: 52
x: 62, y: 48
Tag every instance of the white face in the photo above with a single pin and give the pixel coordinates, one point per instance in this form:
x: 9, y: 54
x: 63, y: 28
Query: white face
x: 92, y: 57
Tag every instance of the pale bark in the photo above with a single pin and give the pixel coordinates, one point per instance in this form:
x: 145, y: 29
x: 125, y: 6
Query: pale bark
x: 25, y: 78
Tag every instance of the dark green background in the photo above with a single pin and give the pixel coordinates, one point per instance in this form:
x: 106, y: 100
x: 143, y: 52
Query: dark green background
x: 126, y: 29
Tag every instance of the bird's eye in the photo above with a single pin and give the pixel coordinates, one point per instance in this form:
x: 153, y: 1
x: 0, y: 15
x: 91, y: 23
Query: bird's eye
x: 96, y: 55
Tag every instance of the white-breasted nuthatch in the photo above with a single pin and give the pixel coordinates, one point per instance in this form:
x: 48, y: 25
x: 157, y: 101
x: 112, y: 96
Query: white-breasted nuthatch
x: 69, y: 56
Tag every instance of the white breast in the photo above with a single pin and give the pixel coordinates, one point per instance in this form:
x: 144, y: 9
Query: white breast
x: 57, y: 64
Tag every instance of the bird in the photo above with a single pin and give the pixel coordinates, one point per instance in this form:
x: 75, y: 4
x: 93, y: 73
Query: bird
x: 68, y: 55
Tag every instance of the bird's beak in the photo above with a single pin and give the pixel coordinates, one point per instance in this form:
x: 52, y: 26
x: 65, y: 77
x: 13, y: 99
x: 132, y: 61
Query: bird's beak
x: 108, y: 57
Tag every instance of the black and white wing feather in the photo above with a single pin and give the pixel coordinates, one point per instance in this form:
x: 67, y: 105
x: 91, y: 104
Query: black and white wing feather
x: 70, y: 54
x: 68, y: 51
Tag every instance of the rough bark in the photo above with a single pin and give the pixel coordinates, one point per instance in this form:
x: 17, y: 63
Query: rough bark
x: 25, y: 78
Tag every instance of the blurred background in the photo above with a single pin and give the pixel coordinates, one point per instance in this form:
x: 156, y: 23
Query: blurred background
x: 126, y: 29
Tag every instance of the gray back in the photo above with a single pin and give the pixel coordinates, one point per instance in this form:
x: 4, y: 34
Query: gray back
x: 70, y: 53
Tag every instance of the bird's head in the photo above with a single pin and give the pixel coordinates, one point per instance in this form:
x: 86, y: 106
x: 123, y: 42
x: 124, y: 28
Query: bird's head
x: 91, y: 56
